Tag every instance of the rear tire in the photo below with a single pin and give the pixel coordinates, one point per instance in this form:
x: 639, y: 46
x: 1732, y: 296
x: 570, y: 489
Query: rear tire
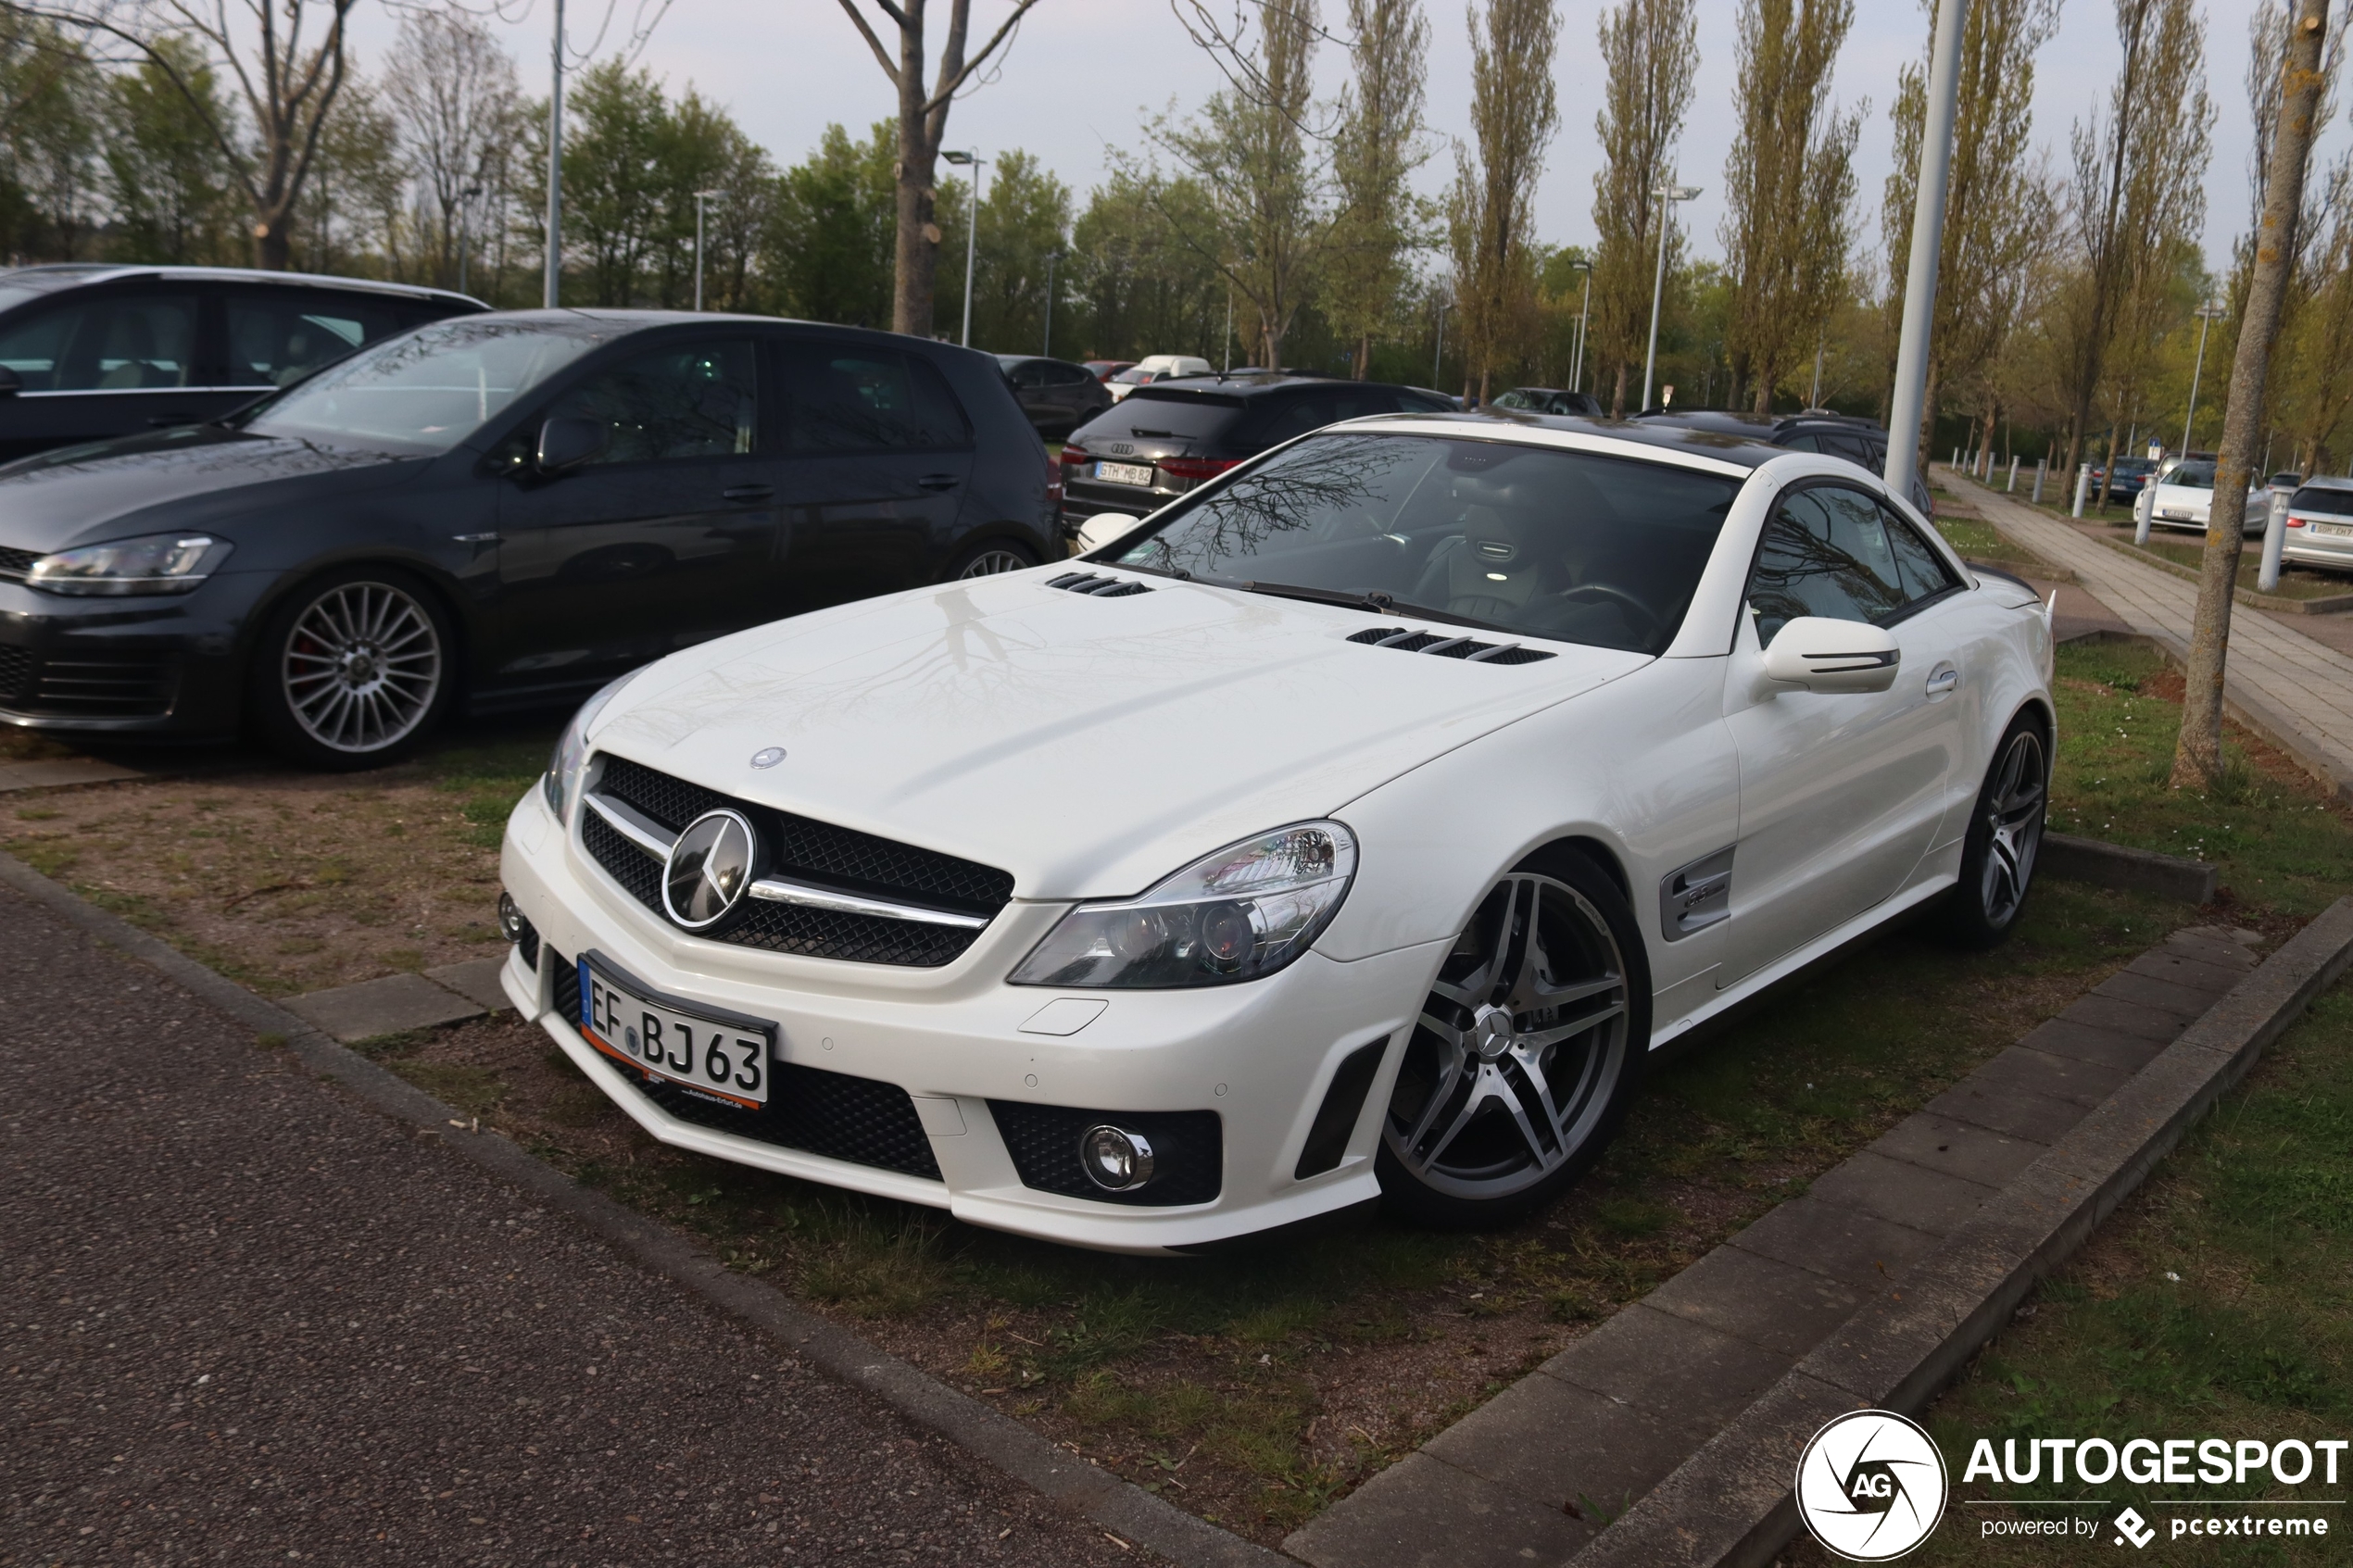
x: 353, y: 670
x: 2005, y: 836
x: 1527, y: 1053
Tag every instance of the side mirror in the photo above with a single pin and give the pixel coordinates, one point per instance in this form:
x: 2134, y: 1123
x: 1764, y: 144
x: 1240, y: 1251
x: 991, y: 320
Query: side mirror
x: 10, y: 382
x: 1822, y: 655
x: 565, y: 444
x: 1103, y: 528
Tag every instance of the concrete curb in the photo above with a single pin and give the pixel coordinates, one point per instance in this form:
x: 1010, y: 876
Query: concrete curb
x: 1120, y: 1507
x: 2278, y: 604
x: 1729, y: 1505
x: 2072, y: 859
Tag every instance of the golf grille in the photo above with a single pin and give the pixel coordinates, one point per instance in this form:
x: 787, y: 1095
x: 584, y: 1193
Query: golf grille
x: 808, y: 851
x: 1188, y: 1151
x: 15, y: 665
x: 15, y: 564
x: 862, y: 1121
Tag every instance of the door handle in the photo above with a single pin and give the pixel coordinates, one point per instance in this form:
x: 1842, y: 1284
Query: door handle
x: 939, y: 481
x: 1941, y: 680
x: 749, y: 492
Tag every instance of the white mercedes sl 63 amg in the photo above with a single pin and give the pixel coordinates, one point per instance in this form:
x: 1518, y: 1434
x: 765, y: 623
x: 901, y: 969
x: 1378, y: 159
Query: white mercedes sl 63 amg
x: 1353, y: 827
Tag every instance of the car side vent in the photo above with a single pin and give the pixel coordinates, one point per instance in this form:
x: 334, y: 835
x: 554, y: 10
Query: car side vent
x: 1408, y: 641
x: 1099, y: 587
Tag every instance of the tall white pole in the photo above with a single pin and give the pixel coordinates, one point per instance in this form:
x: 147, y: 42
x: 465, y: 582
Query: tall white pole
x: 698, y: 225
x: 1928, y: 243
x: 2205, y: 314
x: 1585, y: 311
x: 972, y: 243
x: 554, y: 286
x: 1658, y: 288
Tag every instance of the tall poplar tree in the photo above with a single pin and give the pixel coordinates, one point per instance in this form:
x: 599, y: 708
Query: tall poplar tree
x: 1514, y: 115
x: 1649, y: 54
x: 1379, y: 147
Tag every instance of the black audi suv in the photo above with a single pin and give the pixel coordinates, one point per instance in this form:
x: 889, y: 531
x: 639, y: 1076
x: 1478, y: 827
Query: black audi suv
x: 498, y: 510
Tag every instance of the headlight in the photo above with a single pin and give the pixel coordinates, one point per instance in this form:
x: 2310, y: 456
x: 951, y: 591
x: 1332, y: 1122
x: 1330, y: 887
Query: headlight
x: 1243, y: 912
x: 571, y: 748
x: 160, y: 563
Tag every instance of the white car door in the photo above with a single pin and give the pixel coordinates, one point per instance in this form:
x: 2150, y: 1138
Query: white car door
x: 1841, y: 794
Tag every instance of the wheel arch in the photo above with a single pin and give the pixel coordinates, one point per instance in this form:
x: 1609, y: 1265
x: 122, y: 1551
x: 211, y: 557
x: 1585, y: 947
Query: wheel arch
x: 1602, y: 854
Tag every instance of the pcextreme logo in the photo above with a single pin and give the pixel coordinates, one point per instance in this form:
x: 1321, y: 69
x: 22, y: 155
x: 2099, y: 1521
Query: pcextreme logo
x: 1870, y: 1487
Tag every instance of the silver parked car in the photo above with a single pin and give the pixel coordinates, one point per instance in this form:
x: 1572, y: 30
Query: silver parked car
x: 2320, y: 524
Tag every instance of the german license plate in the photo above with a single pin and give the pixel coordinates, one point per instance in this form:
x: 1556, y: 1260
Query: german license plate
x: 2331, y: 530
x: 1125, y: 474
x: 2174, y: 514
x: 722, y: 1056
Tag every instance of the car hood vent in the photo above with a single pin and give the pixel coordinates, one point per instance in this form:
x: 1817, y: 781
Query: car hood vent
x: 1406, y: 640
x: 1099, y: 587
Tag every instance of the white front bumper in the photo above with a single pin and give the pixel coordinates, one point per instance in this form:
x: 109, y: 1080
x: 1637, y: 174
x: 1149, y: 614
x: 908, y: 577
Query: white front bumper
x: 1259, y: 1055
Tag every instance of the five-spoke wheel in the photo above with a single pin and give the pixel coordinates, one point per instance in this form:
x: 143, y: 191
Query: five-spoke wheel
x: 1520, y: 1063
x: 1998, y: 859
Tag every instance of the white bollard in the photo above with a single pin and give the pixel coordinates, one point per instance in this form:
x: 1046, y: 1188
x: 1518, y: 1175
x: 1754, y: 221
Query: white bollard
x: 2274, y: 540
x: 2083, y: 486
x: 1955, y: 464
x: 2144, y: 509
x: 2013, y: 486
x: 2041, y: 468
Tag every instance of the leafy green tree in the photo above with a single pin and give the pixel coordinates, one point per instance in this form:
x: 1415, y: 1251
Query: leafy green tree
x: 1141, y: 283
x: 51, y: 106
x: 170, y: 186
x: 614, y: 201
x: 829, y: 233
x: 1025, y: 217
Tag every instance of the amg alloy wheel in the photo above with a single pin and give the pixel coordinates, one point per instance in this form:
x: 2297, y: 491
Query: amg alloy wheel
x: 2006, y: 832
x: 1521, y: 1064
x: 354, y: 670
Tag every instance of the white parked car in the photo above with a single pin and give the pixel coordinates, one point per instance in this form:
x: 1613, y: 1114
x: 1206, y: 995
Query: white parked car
x: 1352, y: 833
x: 2319, y: 521
x: 1157, y: 367
x: 2183, y: 497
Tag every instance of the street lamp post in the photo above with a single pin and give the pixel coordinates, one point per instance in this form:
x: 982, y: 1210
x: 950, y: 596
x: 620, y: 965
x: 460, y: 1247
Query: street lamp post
x: 1908, y: 401
x: 700, y: 199
x: 553, y: 286
x: 465, y: 229
x: 2208, y: 314
x: 1584, y: 309
x: 1668, y: 194
x: 1439, y: 353
x: 966, y: 159
x: 1048, y: 347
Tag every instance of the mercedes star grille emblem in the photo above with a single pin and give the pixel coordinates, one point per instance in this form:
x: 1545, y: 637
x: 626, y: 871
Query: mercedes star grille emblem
x: 709, y: 869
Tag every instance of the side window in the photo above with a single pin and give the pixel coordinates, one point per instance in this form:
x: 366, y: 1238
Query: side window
x: 694, y: 400
x: 123, y: 343
x: 1919, y: 567
x: 1801, y: 441
x: 1294, y: 415
x: 1825, y: 552
x: 1066, y: 375
x: 849, y: 398
x: 275, y: 340
x: 1031, y: 374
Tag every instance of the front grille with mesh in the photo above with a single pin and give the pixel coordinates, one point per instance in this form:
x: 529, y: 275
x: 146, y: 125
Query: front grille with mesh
x: 114, y: 686
x: 862, y: 1121
x: 15, y: 564
x: 16, y: 664
x: 808, y: 851
x: 1188, y: 1151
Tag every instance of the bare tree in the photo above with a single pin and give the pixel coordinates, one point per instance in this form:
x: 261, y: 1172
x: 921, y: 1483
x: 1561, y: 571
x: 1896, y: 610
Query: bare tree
x: 452, y: 89
x: 1379, y: 147
x: 2197, y: 753
x: 1998, y: 205
x: 287, y: 83
x: 923, y: 122
x: 1789, y: 187
x: 1650, y: 50
x: 1514, y: 115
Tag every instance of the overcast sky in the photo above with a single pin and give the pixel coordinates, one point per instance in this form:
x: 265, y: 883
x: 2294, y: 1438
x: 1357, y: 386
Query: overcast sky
x: 1084, y: 74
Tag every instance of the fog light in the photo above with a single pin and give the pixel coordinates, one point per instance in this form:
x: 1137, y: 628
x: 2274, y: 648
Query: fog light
x: 511, y: 925
x: 1116, y: 1160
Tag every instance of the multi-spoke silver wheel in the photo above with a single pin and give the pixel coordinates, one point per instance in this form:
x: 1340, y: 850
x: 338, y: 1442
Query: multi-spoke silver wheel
x: 1521, y: 1047
x: 2012, y: 814
x: 361, y: 668
x: 994, y: 559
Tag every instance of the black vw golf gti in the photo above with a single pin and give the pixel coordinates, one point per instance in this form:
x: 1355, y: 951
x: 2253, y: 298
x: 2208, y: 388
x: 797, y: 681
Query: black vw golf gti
x: 500, y: 510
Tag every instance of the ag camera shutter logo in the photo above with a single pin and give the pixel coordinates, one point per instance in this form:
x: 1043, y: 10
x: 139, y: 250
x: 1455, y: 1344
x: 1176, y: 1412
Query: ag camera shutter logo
x: 1870, y: 1487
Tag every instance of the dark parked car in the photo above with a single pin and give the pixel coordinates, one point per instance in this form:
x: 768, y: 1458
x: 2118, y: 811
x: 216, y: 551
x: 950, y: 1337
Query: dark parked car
x: 1165, y: 438
x: 1106, y: 369
x: 1840, y: 436
x: 1056, y: 394
x: 88, y: 352
x: 1549, y: 400
x: 498, y: 510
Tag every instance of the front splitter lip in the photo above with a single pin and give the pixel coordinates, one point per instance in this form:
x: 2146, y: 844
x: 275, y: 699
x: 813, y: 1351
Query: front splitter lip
x: 1017, y: 1210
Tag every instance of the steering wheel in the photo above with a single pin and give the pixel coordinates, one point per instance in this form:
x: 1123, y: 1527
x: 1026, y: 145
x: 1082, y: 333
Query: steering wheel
x: 1620, y: 596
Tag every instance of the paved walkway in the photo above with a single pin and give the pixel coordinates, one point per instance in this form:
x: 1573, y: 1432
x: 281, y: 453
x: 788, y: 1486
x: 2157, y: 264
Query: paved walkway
x: 2292, y: 689
x: 243, y: 1320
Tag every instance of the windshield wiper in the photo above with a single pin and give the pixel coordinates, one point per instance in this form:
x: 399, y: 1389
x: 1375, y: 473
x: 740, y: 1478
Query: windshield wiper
x: 1376, y: 601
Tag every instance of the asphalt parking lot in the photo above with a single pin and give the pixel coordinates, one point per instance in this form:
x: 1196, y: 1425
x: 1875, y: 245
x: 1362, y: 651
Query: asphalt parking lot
x: 244, y: 1320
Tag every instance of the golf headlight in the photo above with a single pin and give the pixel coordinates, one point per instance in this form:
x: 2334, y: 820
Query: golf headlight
x: 158, y: 563
x: 572, y: 750
x: 1243, y: 912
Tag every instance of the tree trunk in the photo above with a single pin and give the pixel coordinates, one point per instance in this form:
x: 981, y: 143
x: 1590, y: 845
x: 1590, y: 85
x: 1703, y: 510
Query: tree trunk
x: 1618, y: 395
x: 2197, y: 756
x: 1364, y: 355
x: 273, y: 244
x: 2107, y: 468
x: 915, y: 256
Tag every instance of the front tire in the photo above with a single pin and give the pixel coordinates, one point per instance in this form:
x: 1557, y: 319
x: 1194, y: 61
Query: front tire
x: 1519, y: 1070
x: 354, y: 670
x: 2005, y: 833
x: 987, y: 558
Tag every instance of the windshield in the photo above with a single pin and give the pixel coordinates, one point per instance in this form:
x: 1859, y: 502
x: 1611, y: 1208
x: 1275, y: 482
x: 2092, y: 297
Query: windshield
x: 426, y: 390
x: 1540, y: 542
x: 2191, y: 476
